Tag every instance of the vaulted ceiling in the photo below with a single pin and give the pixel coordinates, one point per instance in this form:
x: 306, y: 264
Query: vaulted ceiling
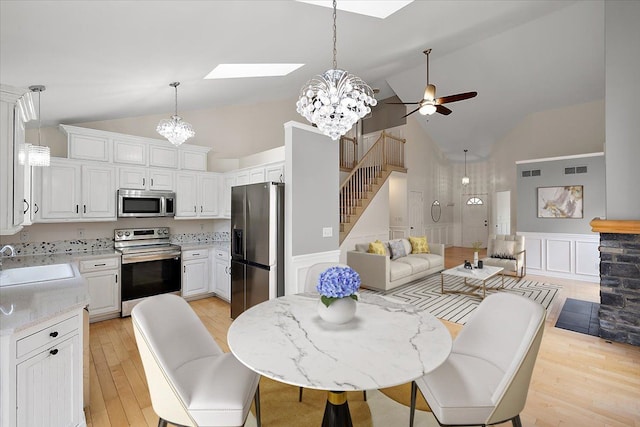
x: 104, y: 60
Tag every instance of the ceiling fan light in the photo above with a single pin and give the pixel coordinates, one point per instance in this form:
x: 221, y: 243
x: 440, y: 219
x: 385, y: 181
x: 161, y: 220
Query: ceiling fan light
x: 427, y: 109
x: 430, y: 93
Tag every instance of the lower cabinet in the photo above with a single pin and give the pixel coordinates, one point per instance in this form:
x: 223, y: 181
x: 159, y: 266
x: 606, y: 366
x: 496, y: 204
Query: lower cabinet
x: 195, y: 272
x: 46, y: 374
x: 223, y: 275
x: 102, y: 276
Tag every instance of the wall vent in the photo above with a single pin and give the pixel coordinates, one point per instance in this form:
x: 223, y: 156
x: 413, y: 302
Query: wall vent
x: 526, y: 173
x: 535, y: 172
x: 581, y: 169
x: 568, y: 171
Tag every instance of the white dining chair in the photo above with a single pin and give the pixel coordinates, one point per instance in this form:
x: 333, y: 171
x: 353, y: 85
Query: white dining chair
x: 310, y: 283
x: 486, y: 377
x: 192, y: 382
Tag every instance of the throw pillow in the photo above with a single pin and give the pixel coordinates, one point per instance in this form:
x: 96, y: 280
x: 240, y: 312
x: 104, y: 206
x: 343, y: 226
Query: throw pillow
x: 377, y: 248
x: 503, y: 249
x: 397, y: 249
x: 419, y: 245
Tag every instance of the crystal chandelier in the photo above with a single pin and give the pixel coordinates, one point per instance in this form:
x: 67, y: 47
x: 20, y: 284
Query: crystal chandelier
x: 335, y: 100
x: 465, y: 178
x: 38, y: 155
x: 174, y: 129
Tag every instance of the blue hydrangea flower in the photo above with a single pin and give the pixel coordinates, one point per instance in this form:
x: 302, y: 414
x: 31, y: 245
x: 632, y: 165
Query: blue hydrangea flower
x: 338, y: 282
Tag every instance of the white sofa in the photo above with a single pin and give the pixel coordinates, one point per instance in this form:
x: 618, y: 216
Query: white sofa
x: 381, y: 273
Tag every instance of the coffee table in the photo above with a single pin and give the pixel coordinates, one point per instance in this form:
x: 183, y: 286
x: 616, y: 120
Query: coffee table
x: 481, y: 275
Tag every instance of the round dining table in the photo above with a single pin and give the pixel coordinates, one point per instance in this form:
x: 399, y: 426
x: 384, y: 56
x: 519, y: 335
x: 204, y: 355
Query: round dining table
x: 387, y: 343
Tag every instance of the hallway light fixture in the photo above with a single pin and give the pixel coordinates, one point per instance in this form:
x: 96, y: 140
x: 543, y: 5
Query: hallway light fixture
x: 38, y: 155
x: 465, y: 178
x: 174, y: 129
x: 337, y: 99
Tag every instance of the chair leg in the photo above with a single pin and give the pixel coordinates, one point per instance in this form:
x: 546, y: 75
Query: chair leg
x: 162, y: 423
x: 516, y: 421
x: 412, y: 413
x: 257, y: 402
x: 300, y: 394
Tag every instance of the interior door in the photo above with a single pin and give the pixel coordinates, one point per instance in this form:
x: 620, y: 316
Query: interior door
x: 416, y: 213
x: 502, y: 212
x: 475, y: 222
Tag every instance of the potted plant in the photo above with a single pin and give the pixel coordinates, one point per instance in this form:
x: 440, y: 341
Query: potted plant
x: 338, y: 287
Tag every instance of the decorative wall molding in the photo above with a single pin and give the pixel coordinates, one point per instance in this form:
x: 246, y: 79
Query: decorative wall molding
x: 300, y: 265
x: 570, y: 256
x: 439, y: 233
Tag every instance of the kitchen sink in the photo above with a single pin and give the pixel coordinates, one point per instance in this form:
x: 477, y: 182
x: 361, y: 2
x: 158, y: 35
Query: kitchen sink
x: 39, y: 273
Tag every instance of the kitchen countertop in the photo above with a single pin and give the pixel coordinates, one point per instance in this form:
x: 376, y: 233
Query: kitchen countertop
x: 22, y: 306
x: 223, y: 245
x: 57, y: 258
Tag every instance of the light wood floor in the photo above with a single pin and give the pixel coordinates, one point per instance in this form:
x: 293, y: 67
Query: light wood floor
x: 578, y: 381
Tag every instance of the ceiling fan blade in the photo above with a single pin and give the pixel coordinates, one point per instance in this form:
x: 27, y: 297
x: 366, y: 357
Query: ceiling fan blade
x: 408, y: 114
x: 455, y: 98
x: 402, y: 103
x: 443, y: 110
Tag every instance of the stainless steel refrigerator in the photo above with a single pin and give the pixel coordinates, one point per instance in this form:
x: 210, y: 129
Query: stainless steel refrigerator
x: 257, y: 244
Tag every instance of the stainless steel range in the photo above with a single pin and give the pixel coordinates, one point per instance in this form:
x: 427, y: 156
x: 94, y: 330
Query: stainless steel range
x: 150, y: 264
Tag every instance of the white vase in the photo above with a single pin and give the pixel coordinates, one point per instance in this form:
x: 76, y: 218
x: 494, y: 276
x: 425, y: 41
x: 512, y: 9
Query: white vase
x: 475, y: 258
x: 340, y: 311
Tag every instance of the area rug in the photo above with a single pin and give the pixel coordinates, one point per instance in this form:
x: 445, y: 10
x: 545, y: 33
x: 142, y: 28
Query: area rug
x: 426, y: 293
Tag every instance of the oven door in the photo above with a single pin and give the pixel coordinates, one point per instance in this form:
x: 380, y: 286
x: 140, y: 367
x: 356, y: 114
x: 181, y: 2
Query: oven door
x: 150, y: 274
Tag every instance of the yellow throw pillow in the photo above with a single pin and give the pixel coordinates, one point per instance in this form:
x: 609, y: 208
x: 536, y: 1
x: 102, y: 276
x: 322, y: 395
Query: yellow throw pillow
x: 377, y: 248
x: 419, y: 245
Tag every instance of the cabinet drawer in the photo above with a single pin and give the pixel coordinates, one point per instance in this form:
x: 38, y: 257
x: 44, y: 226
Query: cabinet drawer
x: 45, y: 336
x: 194, y: 254
x: 99, y: 264
x: 222, y: 254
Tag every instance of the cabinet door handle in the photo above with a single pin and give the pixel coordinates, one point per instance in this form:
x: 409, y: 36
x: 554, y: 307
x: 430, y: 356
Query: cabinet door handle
x: 184, y: 269
x: 143, y: 181
x: 116, y: 278
x: 76, y: 208
x: 27, y: 208
x: 84, y: 208
x: 196, y: 255
x: 200, y: 209
x: 195, y: 209
x: 53, y: 334
x: 152, y: 182
x: 37, y: 208
x: 54, y: 351
x: 99, y: 265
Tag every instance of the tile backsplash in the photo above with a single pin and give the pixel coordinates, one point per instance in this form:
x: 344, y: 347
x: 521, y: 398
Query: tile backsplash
x: 91, y: 245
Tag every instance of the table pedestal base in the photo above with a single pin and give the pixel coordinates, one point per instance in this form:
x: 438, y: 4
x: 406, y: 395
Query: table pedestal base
x: 336, y: 411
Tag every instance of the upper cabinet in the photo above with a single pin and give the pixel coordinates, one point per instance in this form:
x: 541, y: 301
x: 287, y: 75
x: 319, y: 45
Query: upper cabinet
x: 15, y: 107
x: 104, y: 146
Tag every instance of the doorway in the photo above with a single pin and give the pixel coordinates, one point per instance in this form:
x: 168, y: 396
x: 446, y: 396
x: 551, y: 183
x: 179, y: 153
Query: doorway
x: 502, y: 212
x: 416, y: 213
x: 475, y: 223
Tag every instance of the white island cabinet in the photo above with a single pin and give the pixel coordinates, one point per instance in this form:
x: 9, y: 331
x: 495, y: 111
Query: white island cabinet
x: 195, y: 272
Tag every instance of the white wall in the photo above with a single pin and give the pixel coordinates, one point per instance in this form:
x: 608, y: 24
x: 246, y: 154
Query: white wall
x: 622, y: 32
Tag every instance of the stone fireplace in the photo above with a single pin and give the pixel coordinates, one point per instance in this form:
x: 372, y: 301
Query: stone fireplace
x: 619, y: 280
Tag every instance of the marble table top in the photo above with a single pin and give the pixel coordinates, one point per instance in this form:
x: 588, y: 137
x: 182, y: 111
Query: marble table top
x: 475, y: 273
x: 387, y: 343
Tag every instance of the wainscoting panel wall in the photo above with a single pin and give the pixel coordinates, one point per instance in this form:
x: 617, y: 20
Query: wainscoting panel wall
x: 300, y: 265
x: 572, y: 256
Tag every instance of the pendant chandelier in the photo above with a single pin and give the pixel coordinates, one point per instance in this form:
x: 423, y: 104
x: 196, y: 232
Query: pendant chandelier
x: 465, y: 178
x: 337, y: 99
x: 174, y: 129
x: 38, y: 155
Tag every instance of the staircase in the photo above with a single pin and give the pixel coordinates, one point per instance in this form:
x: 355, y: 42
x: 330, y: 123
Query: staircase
x: 367, y: 177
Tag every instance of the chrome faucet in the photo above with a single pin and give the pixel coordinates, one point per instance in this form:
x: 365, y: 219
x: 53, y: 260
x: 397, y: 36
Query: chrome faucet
x: 12, y: 250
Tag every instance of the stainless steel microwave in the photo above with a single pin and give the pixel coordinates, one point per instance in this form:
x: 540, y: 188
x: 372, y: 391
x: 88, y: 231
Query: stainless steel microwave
x: 138, y: 203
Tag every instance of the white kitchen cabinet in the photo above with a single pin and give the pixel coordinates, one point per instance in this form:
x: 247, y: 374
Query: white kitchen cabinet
x: 43, y: 364
x: 163, y: 156
x: 195, y: 272
x: 102, y: 276
x: 197, y: 195
x: 256, y: 175
x: 12, y: 168
x: 129, y: 152
x: 274, y: 172
x: 193, y: 160
x: 222, y: 268
x: 88, y: 147
x: 70, y: 190
x: 229, y: 180
x: 243, y: 177
x: 137, y: 178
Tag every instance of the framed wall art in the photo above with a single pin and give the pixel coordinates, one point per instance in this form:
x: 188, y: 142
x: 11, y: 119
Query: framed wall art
x: 560, y: 202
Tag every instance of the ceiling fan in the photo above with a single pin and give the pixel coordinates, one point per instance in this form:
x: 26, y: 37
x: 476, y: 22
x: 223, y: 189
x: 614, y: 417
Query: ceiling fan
x: 430, y: 104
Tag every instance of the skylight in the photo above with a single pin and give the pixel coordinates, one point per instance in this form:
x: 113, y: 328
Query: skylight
x: 378, y: 9
x: 234, y: 71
